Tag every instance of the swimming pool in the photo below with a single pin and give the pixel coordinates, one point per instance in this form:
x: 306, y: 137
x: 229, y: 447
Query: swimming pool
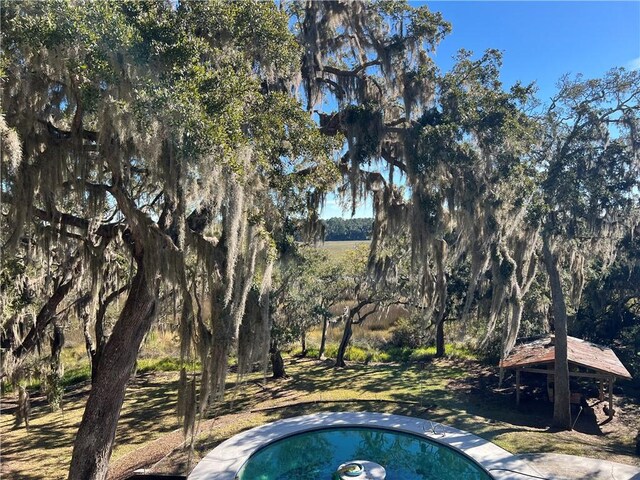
x: 317, y: 455
x: 230, y: 459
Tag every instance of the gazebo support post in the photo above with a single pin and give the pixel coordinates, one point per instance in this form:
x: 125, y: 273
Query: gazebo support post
x: 601, y: 390
x: 611, y: 380
x: 517, y: 386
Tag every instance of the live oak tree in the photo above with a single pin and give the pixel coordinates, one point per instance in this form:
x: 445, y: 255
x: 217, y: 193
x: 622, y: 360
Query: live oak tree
x: 365, y: 294
x: 589, y: 194
x: 163, y: 134
x: 441, y: 155
x: 371, y: 60
x: 295, y: 292
x: 309, y: 284
x: 472, y: 159
x: 470, y: 170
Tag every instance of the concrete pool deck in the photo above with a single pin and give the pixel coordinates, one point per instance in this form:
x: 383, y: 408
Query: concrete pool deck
x: 569, y: 467
x: 224, y: 461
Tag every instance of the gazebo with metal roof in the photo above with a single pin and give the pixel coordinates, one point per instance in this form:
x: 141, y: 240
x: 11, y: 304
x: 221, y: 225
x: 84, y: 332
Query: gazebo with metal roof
x: 538, y: 356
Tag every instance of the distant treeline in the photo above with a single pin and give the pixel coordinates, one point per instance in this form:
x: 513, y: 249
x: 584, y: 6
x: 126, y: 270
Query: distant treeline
x: 348, y: 229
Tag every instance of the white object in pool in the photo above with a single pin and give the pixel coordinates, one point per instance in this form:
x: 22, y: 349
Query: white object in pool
x: 370, y: 471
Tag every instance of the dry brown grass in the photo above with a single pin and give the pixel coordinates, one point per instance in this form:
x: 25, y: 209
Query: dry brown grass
x: 338, y: 249
x: 374, y: 332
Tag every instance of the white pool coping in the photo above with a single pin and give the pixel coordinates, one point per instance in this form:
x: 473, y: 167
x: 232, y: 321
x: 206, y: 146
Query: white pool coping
x: 224, y: 461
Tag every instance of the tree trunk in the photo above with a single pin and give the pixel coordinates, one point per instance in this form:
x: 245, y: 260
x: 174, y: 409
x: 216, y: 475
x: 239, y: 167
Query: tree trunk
x: 89, y: 344
x: 94, y: 441
x: 323, y: 340
x: 441, y: 249
x: 101, y: 337
x: 24, y: 408
x: 344, y: 343
x: 277, y: 363
x: 94, y: 364
x: 303, y: 341
x: 57, y: 342
x: 440, y: 338
x: 46, y: 314
x: 54, y: 390
x: 562, y: 395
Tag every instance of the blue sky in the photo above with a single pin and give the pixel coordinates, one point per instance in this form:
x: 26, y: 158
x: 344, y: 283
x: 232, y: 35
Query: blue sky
x: 541, y: 41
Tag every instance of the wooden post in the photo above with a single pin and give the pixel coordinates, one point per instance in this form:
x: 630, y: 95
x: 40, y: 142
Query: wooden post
x: 601, y: 389
x: 517, y: 386
x: 611, y: 379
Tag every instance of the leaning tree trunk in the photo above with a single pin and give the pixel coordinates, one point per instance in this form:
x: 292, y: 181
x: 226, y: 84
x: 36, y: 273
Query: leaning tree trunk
x: 562, y: 394
x: 45, y: 316
x: 94, y: 441
x: 101, y: 337
x: 323, y: 340
x: 344, y: 343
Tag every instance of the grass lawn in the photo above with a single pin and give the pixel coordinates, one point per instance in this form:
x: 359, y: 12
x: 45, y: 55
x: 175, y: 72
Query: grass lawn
x: 459, y: 393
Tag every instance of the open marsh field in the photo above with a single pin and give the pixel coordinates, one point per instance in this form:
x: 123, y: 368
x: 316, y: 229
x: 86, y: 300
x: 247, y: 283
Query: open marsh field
x: 338, y: 249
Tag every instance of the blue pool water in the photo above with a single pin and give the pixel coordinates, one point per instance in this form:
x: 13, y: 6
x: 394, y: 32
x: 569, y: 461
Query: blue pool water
x: 316, y: 455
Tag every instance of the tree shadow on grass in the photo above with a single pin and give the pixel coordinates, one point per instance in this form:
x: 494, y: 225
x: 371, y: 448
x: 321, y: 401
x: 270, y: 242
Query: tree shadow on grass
x: 151, y: 409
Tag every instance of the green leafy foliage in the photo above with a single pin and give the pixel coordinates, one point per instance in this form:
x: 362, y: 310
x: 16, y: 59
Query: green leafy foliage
x: 338, y: 229
x: 308, y: 286
x: 610, y: 311
x: 590, y: 153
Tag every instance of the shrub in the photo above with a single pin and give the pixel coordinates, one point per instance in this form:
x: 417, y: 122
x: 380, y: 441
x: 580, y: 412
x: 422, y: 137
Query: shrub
x: 382, y: 357
x: 331, y: 350
x: 462, y: 352
x: 398, y: 354
x: 408, y: 333
x: 358, y: 354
